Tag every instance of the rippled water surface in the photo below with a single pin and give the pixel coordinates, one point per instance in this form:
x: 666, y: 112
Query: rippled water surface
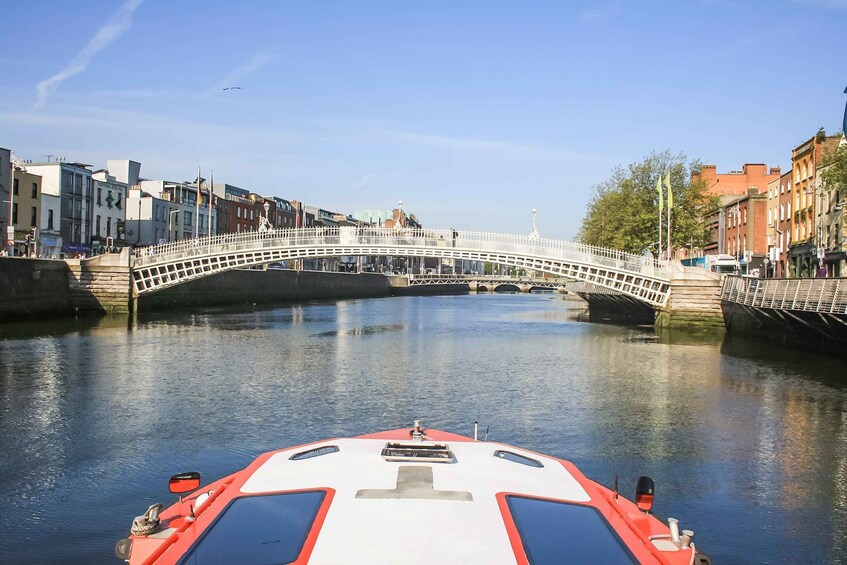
x: 747, y: 444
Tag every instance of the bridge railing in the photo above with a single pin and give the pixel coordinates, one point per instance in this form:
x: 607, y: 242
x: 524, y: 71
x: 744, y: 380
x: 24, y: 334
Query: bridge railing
x: 809, y: 295
x: 373, y: 236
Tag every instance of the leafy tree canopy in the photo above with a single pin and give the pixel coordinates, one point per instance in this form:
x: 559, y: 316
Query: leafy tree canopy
x: 624, y: 210
x: 835, y: 172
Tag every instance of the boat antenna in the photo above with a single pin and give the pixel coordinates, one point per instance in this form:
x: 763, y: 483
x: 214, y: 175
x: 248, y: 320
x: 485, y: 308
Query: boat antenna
x: 486, y: 432
x: 475, y: 429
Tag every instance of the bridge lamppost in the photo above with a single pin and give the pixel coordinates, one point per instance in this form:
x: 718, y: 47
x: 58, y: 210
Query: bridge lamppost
x: 170, y: 215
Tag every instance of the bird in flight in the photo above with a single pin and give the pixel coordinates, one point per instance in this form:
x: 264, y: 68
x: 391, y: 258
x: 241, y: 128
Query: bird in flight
x: 232, y: 88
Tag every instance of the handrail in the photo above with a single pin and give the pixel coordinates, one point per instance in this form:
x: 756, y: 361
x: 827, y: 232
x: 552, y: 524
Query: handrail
x: 825, y: 295
x: 318, y: 237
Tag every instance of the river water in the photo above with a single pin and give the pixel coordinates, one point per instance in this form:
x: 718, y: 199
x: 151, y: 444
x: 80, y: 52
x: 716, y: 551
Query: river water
x: 747, y: 444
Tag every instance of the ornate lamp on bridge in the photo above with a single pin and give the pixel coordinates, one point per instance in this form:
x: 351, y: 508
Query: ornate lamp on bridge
x: 533, y: 235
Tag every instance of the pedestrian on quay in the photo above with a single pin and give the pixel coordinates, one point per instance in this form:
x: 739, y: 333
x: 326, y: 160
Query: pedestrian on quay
x: 821, y: 272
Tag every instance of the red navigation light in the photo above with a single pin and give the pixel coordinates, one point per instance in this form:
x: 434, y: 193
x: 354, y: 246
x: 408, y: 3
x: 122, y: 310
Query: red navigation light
x: 644, y: 492
x: 184, y: 482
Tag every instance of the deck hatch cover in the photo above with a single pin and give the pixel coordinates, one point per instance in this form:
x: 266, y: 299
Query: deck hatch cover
x: 431, y: 453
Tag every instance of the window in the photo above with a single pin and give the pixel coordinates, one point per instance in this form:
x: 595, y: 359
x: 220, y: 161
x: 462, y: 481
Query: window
x: 108, y: 227
x: 251, y: 215
x: 35, y: 190
x: 15, y: 186
x: 517, y: 458
x: 99, y: 196
x: 561, y: 532
x: 50, y: 219
x: 238, y: 211
x: 157, y: 213
x: 97, y: 225
x: 33, y: 219
x: 782, y: 212
x: 186, y: 218
x: 316, y: 452
x: 258, y: 529
x: 744, y: 220
x: 15, y: 213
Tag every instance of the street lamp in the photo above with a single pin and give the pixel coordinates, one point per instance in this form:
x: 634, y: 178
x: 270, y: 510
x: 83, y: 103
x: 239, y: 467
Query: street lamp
x: 735, y: 211
x: 171, y: 213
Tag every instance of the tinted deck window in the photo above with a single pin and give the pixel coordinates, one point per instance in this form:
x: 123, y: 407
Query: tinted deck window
x: 258, y: 530
x: 558, y: 532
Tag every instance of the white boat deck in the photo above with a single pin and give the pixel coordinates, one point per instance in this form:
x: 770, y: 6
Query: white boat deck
x: 461, y: 523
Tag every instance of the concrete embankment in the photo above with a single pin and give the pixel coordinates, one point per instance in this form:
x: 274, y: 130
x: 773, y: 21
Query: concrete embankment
x: 45, y: 289
x: 34, y: 288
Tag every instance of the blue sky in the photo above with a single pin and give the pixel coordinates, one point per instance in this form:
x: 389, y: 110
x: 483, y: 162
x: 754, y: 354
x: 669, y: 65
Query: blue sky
x: 472, y: 113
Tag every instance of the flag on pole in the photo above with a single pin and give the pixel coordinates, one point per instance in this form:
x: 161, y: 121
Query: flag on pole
x: 661, y: 196
x: 844, y: 125
x: 670, y: 192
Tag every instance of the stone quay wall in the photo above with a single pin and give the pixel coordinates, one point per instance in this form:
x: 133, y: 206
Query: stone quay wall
x: 695, y: 300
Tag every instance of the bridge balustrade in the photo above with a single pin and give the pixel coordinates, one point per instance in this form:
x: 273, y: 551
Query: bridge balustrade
x: 173, y: 263
x: 317, y: 237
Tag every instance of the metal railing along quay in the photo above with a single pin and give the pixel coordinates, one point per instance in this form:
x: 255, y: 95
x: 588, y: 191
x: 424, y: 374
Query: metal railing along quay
x: 825, y: 295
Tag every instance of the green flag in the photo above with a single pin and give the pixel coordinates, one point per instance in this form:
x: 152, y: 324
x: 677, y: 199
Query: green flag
x: 661, y: 196
x: 670, y: 192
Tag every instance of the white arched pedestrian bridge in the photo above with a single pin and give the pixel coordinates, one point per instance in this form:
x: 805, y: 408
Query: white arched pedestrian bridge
x: 158, y: 267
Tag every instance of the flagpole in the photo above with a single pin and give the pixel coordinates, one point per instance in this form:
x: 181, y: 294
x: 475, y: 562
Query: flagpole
x: 661, y: 201
x: 197, y: 205
x: 211, y: 197
x: 669, y: 230
x: 670, y: 206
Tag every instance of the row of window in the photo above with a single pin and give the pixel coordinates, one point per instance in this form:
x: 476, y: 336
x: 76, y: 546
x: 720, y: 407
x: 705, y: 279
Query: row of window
x: 16, y: 188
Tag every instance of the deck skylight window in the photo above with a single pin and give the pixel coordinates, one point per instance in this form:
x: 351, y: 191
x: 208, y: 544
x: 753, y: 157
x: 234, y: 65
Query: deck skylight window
x: 258, y: 530
x: 515, y: 458
x: 316, y: 452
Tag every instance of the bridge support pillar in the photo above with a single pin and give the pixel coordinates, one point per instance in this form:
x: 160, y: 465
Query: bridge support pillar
x: 695, y: 299
x: 101, y: 284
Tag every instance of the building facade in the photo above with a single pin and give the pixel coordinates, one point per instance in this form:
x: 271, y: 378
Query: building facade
x: 26, y: 211
x: 71, y: 183
x: 109, y: 210
x: 805, y: 253
x: 736, y: 183
x: 6, y: 200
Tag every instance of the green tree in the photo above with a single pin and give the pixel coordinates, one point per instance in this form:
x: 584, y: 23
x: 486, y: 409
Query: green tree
x: 623, y: 212
x: 834, y: 173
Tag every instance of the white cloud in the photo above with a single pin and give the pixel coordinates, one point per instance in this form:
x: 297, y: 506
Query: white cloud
x: 114, y: 28
x: 477, y: 144
x: 363, y: 182
x: 258, y: 61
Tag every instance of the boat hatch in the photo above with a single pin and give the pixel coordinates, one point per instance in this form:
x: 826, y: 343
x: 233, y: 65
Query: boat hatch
x: 433, y: 453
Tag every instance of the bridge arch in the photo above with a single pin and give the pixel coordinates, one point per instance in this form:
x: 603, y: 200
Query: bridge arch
x: 158, y: 267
